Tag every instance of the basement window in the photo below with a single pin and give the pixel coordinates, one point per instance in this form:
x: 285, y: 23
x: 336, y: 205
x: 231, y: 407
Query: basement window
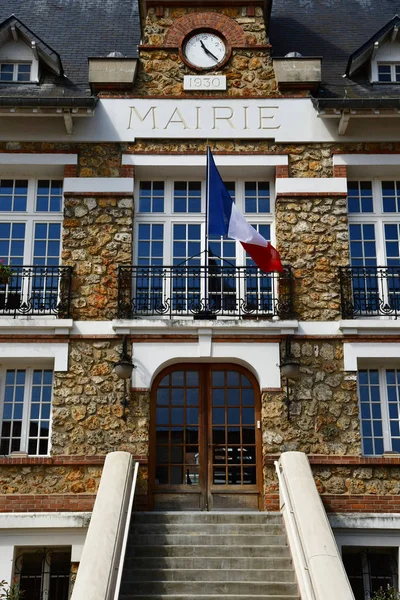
x: 370, y: 569
x: 389, y: 73
x: 43, y: 572
x: 15, y: 72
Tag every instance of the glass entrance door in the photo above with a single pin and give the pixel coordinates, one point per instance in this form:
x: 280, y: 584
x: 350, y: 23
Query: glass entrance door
x: 205, y: 442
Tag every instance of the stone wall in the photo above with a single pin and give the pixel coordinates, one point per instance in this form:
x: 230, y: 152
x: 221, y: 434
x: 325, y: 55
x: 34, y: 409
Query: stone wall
x: 49, y: 479
x: 88, y: 417
x: 324, y: 410
x: 97, y: 237
x: 312, y: 237
x: 248, y: 73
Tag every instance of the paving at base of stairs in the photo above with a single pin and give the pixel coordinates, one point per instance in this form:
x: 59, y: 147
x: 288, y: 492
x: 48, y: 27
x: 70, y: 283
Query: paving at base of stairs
x: 208, y: 556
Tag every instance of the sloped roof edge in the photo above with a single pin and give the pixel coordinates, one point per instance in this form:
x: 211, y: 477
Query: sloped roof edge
x: 46, y: 53
x: 360, y: 56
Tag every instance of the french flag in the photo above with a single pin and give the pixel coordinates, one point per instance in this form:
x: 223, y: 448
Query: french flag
x: 225, y: 219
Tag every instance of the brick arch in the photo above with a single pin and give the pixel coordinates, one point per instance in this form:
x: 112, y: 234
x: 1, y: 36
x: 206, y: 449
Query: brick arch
x: 233, y: 33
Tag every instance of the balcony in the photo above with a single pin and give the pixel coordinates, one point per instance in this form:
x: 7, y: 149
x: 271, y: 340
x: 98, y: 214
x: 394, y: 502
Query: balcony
x: 204, y: 292
x: 36, y: 290
x: 370, y: 291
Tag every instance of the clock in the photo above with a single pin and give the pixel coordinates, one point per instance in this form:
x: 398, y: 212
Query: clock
x: 205, y: 50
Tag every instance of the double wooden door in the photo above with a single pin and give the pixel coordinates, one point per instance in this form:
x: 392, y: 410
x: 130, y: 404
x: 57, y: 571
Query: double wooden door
x: 205, y: 439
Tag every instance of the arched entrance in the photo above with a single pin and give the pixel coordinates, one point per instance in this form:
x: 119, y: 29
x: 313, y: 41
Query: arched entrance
x: 205, y: 449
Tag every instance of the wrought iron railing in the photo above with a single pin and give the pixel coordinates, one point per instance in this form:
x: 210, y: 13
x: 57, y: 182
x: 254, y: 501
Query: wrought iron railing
x: 370, y: 291
x: 36, y: 290
x: 204, y: 292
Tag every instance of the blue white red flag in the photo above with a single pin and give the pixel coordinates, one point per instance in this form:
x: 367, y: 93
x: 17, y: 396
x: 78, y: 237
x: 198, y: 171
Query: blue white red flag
x: 225, y: 219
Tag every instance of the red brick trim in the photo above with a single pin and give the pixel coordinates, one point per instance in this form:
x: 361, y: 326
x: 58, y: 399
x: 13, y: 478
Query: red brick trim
x: 46, y: 503
x: 333, y: 459
x: 340, y: 171
x: 147, y: 47
x: 271, y: 502
x: 127, y: 171
x: 312, y: 195
x: 361, y: 503
x: 61, y: 460
x: 282, y: 171
x: 70, y: 171
x: 231, y: 30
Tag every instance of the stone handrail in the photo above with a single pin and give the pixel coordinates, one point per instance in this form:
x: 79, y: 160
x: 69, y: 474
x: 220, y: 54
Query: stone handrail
x: 317, y: 562
x: 101, y: 564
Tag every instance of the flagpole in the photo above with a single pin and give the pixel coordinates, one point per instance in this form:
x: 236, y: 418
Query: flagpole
x: 206, y: 225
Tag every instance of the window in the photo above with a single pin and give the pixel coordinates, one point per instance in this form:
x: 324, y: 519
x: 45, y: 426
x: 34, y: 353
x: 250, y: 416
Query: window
x: 389, y: 73
x: 379, y: 396
x: 30, y: 221
x: 18, y: 72
x: 25, y: 410
x: 171, y: 231
x: 370, y: 569
x: 30, y: 239
x: 43, y: 573
x: 374, y: 231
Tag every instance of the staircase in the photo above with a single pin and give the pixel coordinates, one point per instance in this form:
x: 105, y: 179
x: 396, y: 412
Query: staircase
x: 208, y: 556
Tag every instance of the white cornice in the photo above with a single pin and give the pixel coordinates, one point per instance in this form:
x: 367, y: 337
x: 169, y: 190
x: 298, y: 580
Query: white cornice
x: 17, y: 158
x: 194, y: 160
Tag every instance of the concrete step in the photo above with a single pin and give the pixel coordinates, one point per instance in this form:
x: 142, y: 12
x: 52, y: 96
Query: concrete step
x: 191, y: 562
x: 207, y: 517
x: 210, y: 551
x: 206, y: 528
x: 208, y: 587
x: 218, y: 575
x: 206, y: 539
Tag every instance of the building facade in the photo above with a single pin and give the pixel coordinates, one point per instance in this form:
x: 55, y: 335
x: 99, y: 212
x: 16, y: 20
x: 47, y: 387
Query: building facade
x: 106, y: 112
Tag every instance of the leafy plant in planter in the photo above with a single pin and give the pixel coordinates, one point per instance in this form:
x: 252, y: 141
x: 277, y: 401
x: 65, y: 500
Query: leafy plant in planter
x: 5, y: 272
x: 389, y: 593
x: 10, y: 592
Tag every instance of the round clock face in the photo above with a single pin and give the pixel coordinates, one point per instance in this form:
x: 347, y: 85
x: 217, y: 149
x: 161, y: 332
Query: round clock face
x: 205, y: 50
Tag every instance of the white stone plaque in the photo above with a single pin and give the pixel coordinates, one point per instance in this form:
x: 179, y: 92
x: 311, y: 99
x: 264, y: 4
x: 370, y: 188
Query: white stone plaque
x: 204, y: 82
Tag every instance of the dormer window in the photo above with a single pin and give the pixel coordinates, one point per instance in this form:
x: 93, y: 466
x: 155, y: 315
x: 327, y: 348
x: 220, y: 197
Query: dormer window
x: 18, y: 72
x: 389, y: 73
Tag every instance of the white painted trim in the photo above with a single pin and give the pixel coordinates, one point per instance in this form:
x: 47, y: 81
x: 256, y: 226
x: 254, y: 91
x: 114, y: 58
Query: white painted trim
x: 364, y: 521
x: 311, y: 185
x: 262, y: 360
x: 191, y: 160
x: 365, y: 160
x: 35, y: 326
x: 370, y: 326
x: 353, y: 352
x: 180, y: 326
x: 99, y: 185
x: 14, y: 158
x: 36, y: 352
x: 36, y: 520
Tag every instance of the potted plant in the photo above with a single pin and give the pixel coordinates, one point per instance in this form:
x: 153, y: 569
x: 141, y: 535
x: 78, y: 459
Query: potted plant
x: 10, y: 592
x: 389, y: 593
x: 5, y: 272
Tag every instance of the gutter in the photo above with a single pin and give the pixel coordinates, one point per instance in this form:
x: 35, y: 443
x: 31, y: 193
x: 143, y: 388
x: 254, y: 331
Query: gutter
x: 77, y: 102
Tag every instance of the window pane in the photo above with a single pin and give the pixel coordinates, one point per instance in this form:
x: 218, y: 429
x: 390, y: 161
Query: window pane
x: 151, y: 196
x: 384, y: 73
x: 371, y: 414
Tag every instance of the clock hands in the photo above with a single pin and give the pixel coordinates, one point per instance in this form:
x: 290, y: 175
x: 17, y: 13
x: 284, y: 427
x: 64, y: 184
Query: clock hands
x: 207, y: 51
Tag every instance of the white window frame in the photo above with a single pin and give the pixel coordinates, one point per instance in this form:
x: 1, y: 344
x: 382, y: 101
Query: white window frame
x: 381, y: 368
x: 168, y: 218
x: 31, y: 217
x: 392, y: 66
x: 15, y: 71
x: 27, y: 402
x: 378, y: 218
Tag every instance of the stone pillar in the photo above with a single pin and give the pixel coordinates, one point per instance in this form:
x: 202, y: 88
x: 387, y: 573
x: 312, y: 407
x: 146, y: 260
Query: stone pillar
x: 312, y: 236
x: 97, y: 237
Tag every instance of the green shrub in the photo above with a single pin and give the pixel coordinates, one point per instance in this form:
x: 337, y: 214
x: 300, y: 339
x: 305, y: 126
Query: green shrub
x: 389, y: 593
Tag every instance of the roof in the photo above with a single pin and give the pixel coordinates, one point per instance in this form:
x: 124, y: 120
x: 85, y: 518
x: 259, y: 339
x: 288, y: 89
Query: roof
x: 73, y: 30
x: 335, y: 30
